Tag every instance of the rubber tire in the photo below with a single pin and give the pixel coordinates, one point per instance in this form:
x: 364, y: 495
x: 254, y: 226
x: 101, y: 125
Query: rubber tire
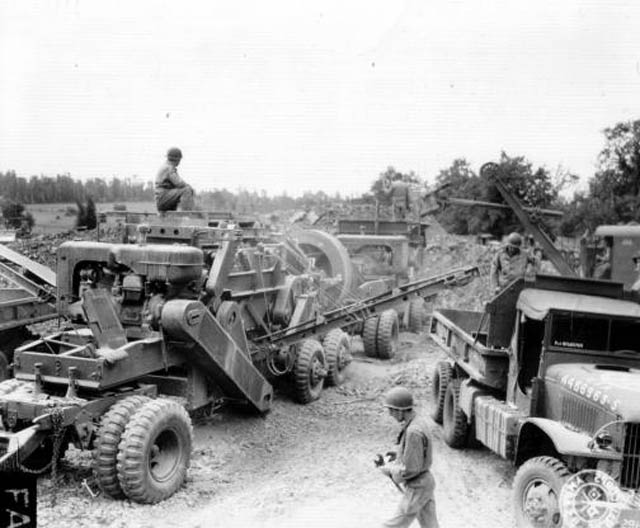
x: 416, y: 315
x: 105, y: 453
x: 309, y: 353
x: 545, y: 468
x: 442, y: 375
x: 336, y: 344
x: 370, y: 336
x: 154, y: 420
x: 454, y: 420
x: 388, y: 334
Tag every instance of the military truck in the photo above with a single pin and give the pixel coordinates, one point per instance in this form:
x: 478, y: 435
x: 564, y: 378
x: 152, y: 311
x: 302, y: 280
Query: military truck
x: 548, y: 376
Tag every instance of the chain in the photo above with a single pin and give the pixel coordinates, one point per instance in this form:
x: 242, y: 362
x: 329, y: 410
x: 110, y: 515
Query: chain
x: 57, y: 419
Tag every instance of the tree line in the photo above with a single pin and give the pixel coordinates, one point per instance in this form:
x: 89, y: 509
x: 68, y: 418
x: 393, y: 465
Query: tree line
x: 64, y: 188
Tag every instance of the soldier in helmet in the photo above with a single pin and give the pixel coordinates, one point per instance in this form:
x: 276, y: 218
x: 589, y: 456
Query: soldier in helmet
x: 171, y: 190
x: 510, y: 263
x: 411, y: 471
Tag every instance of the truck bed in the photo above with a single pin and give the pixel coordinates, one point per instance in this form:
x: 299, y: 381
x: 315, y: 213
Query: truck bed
x: 463, y: 336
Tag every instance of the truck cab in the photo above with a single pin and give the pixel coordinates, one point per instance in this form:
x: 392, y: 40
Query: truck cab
x: 609, y: 253
x: 549, y: 377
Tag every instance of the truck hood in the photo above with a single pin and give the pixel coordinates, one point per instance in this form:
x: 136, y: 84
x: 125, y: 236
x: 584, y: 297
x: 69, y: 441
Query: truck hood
x: 616, y: 389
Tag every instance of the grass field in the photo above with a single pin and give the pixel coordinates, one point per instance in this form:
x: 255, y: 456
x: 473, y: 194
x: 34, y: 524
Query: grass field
x: 58, y: 217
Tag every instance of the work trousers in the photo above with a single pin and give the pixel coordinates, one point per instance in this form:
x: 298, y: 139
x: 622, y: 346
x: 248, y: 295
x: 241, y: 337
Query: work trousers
x: 399, y: 211
x: 416, y: 503
x: 169, y: 199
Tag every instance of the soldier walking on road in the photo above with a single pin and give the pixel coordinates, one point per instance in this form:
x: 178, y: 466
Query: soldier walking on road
x: 411, y: 471
x: 171, y: 190
x: 510, y: 263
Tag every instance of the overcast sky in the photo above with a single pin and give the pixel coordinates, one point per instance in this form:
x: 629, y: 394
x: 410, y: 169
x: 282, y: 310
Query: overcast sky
x: 301, y: 96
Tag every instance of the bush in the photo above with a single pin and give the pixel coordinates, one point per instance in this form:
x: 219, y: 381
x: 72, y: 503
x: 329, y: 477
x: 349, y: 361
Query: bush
x: 14, y: 214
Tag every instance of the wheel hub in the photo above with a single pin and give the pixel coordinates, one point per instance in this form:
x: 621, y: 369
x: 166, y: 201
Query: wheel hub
x: 164, y: 455
x: 318, y: 372
x: 343, y: 358
x: 540, y: 505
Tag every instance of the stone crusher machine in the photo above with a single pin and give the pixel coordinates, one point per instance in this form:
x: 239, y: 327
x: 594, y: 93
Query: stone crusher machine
x: 166, y: 332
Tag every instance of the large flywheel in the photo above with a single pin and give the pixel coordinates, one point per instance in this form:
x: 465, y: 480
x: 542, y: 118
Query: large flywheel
x: 331, y: 257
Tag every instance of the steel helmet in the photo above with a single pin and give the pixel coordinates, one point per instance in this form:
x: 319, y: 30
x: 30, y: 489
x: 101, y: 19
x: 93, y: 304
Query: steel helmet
x: 399, y: 398
x: 174, y: 153
x: 514, y: 239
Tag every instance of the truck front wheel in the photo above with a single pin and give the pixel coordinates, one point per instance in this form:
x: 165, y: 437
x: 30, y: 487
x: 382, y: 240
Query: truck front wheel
x: 536, y: 492
x: 442, y: 375
x: 456, y: 427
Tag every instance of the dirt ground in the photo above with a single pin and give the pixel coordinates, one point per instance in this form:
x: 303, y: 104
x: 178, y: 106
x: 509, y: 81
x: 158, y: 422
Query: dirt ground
x: 302, y: 465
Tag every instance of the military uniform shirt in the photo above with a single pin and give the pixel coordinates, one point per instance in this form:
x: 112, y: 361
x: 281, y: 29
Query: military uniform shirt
x: 505, y: 269
x: 168, y: 178
x: 414, y: 455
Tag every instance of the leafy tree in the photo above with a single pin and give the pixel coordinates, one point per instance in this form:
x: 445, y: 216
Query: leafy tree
x: 378, y: 186
x: 462, y: 183
x: 14, y: 214
x: 614, y: 191
x: 533, y: 187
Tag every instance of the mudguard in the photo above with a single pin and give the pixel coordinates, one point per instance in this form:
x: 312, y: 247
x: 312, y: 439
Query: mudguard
x: 565, y: 441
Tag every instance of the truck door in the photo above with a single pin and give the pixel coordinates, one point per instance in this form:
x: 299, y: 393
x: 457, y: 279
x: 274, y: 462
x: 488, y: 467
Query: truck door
x: 531, y: 337
x: 525, y: 363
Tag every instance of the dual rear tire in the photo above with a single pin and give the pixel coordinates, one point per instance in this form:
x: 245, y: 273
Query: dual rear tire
x: 143, y: 449
x: 446, y: 410
x: 380, y: 335
x: 454, y: 420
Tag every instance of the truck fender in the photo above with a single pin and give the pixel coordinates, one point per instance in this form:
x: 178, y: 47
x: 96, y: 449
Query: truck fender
x: 534, y: 431
x: 469, y: 391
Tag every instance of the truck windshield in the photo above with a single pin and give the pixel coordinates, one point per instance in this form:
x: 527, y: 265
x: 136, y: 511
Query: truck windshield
x: 589, y: 332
